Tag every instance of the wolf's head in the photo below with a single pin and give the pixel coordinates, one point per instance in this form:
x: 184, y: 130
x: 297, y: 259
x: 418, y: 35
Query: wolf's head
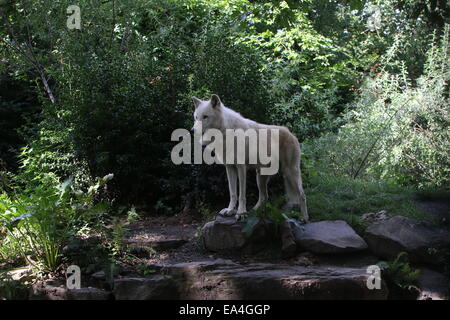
x: 207, y: 114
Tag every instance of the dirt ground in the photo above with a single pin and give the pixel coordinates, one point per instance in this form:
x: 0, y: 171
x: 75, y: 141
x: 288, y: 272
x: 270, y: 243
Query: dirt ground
x: 157, y: 229
x: 187, y: 227
x: 167, y: 228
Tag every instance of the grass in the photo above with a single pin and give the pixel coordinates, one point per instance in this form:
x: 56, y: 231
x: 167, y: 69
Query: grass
x: 331, y: 198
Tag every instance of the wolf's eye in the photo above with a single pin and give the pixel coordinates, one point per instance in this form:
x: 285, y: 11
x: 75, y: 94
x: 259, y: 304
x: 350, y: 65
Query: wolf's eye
x: 205, y: 117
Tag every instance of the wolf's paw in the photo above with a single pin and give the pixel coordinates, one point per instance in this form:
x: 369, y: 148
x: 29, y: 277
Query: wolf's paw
x: 241, y: 216
x: 303, y: 221
x: 226, y: 212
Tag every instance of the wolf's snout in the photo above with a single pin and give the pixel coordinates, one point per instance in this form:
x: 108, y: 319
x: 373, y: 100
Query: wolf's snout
x: 197, y: 127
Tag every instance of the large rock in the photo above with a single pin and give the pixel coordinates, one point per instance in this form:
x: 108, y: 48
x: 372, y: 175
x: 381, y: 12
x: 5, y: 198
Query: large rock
x: 328, y: 237
x: 222, y: 279
x: 225, y: 233
x: 388, y: 238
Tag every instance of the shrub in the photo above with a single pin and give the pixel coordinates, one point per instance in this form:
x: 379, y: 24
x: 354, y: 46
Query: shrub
x: 39, y: 222
x: 399, y: 275
x: 396, y: 130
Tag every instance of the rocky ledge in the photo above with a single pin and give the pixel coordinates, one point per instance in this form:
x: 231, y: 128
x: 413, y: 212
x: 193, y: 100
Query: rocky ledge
x: 223, y: 279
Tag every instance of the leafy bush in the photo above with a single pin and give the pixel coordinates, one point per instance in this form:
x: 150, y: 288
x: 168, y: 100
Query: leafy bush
x: 396, y: 130
x: 398, y: 272
x: 124, y: 82
x: 269, y: 211
x: 40, y: 222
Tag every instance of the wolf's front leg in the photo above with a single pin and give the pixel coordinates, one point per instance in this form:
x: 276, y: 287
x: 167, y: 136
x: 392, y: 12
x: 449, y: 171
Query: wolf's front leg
x: 242, y: 175
x: 232, y: 176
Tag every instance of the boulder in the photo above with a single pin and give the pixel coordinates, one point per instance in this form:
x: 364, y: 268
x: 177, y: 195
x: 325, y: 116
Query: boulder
x: 223, y: 279
x: 328, y: 237
x: 388, y: 238
x: 225, y: 234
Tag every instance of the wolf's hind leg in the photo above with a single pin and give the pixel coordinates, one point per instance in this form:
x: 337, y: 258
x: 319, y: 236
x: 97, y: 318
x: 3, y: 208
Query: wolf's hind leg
x: 294, y: 189
x: 261, y: 181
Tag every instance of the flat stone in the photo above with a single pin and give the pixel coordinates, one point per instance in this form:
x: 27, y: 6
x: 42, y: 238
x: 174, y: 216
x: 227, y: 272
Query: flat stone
x: 328, y: 237
x: 388, y: 238
x: 222, y: 279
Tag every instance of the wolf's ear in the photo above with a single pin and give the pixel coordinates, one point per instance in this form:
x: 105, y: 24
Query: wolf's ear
x: 215, y: 101
x: 196, y: 101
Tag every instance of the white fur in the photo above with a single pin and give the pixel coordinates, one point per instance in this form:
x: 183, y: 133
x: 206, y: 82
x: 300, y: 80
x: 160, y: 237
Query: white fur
x: 212, y: 114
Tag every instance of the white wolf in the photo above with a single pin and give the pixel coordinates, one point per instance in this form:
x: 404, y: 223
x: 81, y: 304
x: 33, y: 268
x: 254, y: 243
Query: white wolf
x: 212, y: 114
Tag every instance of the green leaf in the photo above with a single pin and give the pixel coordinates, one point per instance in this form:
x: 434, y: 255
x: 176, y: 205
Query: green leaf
x: 250, y: 224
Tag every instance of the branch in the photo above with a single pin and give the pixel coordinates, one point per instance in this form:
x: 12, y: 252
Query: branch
x: 29, y: 56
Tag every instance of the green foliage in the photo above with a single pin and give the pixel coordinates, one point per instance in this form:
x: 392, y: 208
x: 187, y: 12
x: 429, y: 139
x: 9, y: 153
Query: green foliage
x: 132, y: 215
x: 341, y: 198
x: 205, y: 210
x: 112, y: 92
x: 399, y: 272
x: 124, y: 82
x: 396, y: 130
x: 268, y: 211
x: 371, y: 105
x: 118, y: 231
x: 307, y: 70
x: 40, y: 221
